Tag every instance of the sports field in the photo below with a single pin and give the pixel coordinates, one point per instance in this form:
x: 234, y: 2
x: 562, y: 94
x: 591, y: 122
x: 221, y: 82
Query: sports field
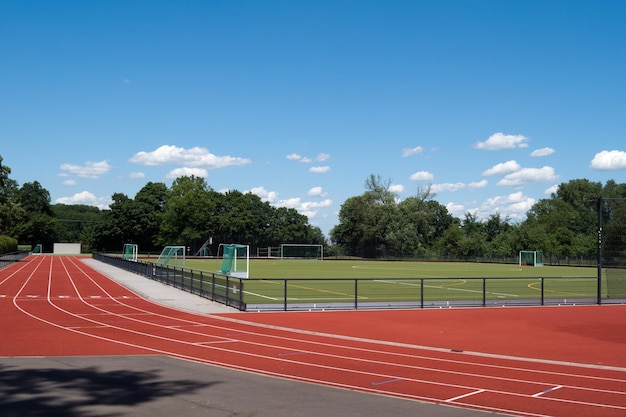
x: 345, y: 283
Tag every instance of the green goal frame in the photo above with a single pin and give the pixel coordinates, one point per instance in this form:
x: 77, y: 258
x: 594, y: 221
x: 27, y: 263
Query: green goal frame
x: 172, y: 253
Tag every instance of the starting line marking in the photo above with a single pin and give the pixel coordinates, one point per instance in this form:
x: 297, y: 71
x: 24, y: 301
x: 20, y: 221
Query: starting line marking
x: 449, y: 400
x: 539, y: 394
x: 387, y: 381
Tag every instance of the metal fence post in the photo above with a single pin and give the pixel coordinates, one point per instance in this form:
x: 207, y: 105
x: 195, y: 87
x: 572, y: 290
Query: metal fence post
x: 285, y: 294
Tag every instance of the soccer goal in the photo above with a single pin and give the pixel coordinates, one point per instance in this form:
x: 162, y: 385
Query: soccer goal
x: 172, y: 255
x: 130, y: 252
x: 301, y: 251
x: 530, y: 258
x: 235, y: 260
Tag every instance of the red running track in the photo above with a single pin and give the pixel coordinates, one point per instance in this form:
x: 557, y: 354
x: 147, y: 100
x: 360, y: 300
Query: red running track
x: 555, y: 361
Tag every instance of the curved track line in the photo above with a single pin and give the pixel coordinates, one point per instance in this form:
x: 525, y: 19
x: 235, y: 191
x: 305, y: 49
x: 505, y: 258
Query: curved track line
x: 283, y: 360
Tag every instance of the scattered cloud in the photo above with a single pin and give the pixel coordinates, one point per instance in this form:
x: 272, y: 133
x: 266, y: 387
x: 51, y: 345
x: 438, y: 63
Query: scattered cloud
x: 412, y: 151
x: 528, y: 175
x: 319, y: 170
x: 317, y: 192
x: 514, y: 205
x: 299, y: 158
x: 503, y: 168
x: 307, y: 208
x: 187, y: 172
x: 136, y: 175
x: 551, y: 190
x: 437, y: 188
x: 422, y: 176
x: 265, y: 195
x: 86, y: 198
x: 192, y: 157
x: 447, y: 186
x: 90, y: 170
x: 478, y: 184
x: 542, y: 152
x: 499, y: 141
x: 322, y: 157
x: 396, y: 188
x: 609, y: 160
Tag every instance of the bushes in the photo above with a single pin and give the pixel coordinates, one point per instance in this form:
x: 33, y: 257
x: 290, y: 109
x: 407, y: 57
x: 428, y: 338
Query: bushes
x: 7, y: 244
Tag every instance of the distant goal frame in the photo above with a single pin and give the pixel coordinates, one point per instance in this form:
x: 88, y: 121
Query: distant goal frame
x: 318, y: 247
x: 535, y: 255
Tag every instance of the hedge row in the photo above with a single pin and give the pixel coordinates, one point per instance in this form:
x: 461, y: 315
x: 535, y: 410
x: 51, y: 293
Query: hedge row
x: 7, y: 244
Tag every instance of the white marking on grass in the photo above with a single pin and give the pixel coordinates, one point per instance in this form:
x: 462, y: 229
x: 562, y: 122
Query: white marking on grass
x: 441, y: 287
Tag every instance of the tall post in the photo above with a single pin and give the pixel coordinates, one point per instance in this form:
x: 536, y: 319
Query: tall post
x: 599, y: 251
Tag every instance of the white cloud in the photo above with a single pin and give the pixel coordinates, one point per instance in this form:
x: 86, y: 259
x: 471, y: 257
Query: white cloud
x: 422, y: 176
x: 86, y: 198
x: 609, y: 160
x: 456, y: 186
x: 307, y: 208
x: 187, y: 172
x: 478, y: 184
x: 89, y: 170
x: 396, y: 188
x: 319, y: 170
x: 499, y: 141
x: 265, y: 195
x: 322, y: 157
x: 192, y: 157
x: 514, y: 205
x: 136, y: 175
x: 529, y: 175
x: 551, y: 190
x: 412, y: 151
x: 503, y: 168
x: 447, y: 186
x: 542, y: 152
x: 316, y: 192
x: 299, y: 158
x: 69, y: 182
x: 456, y: 209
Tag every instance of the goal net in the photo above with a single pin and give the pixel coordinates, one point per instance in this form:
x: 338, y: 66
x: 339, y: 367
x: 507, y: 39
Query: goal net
x: 301, y: 251
x: 530, y: 258
x: 235, y: 260
x: 173, y: 256
x: 130, y: 252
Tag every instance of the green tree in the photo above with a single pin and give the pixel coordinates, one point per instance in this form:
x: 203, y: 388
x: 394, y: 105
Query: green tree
x: 38, y: 224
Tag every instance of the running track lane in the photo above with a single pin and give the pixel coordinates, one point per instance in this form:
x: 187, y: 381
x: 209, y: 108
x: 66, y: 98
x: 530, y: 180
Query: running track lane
x: 59, y: 306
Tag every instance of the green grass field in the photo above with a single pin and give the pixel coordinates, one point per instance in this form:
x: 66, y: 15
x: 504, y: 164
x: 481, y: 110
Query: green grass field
x: 350, y: 282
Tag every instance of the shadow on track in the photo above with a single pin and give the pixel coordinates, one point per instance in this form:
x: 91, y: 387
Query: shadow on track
x: 88, y: 391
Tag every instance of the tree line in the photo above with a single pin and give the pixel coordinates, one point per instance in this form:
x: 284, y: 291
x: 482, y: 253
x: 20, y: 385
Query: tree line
x: 188, y: 213
x: 375, y: 224
x: 378, y: 224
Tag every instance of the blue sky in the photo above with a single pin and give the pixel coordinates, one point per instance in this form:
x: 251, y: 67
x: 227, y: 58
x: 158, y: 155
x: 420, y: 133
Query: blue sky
x: 490, y: 103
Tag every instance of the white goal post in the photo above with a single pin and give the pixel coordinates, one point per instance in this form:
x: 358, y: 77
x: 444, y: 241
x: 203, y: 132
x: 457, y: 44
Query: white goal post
x: 301, y: 251
x: 235, y: 260
x: 530, y: 258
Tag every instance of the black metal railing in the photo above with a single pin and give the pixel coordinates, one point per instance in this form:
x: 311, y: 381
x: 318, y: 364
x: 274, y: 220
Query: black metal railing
x: 216, y: 287
x: 9, y: 258
x: 301, y: 294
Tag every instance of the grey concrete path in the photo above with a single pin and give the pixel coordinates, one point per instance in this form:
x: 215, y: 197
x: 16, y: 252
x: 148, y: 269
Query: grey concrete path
x: 158, y: 292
